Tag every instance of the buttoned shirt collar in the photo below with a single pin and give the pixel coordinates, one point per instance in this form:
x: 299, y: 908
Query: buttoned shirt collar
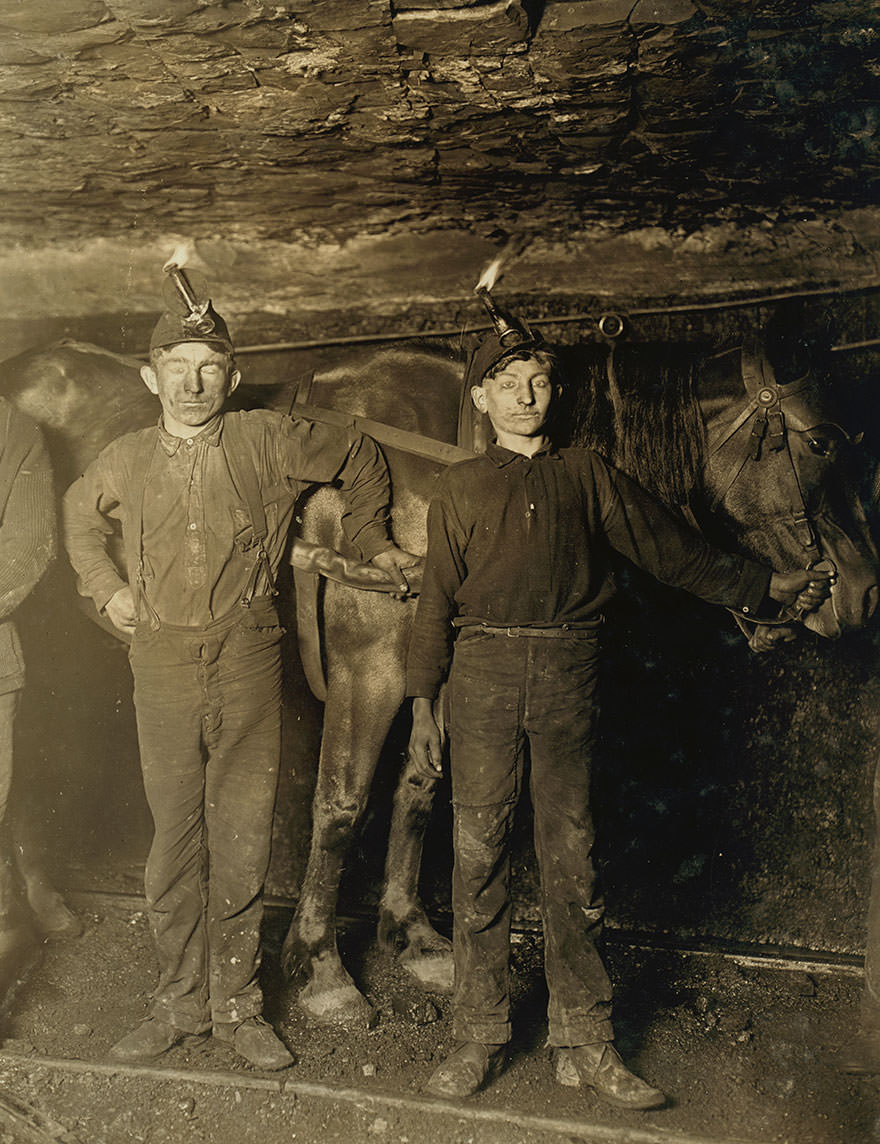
x: 502, y: 457
x: 209, y: 435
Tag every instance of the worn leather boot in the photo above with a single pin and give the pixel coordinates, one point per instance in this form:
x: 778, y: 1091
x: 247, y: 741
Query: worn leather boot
x: 860, y: 1056
x: 467, y: 1070
x: 150, y: 1040
x: 599, y: 1067
x: 256, y: 1041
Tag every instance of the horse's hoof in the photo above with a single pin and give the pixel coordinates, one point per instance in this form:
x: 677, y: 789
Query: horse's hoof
x: 434, y: 969
x: 55, y: 922
x: 342, y: 1005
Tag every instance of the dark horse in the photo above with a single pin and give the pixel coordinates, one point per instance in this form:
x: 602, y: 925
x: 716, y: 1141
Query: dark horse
x: 783, y: 492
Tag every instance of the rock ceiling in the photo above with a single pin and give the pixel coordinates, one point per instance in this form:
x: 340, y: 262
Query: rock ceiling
x: 336, y: 116
x: 323, y: 121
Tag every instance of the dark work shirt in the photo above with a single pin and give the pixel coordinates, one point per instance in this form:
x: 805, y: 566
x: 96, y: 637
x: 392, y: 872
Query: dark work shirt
x: 195, y: 520
x: 526, y: 542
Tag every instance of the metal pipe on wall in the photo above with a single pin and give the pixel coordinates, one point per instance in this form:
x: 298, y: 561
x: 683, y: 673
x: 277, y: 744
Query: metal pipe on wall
x: 565, y: 319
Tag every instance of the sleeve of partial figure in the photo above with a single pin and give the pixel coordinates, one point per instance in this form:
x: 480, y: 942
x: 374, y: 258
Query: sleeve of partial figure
x: 657, y: 540
x: 330, y: 454
x: 432, y: 636
x: 87, y: 527
x: 27, y: 530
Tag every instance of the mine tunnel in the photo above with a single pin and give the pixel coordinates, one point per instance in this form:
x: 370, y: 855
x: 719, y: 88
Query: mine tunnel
x: 657, y: 182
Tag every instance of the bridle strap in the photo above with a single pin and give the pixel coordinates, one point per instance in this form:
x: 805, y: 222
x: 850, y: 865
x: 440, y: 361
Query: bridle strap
x: 737, y: 461
x: 766, y: 408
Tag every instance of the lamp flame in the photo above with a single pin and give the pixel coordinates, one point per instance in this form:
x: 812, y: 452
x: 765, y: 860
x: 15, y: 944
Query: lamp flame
x: 490, y: 275
x: 183, y: 252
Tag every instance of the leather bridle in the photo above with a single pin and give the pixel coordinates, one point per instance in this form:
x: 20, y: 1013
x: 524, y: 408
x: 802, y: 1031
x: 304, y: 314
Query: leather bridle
x: 771, y: 410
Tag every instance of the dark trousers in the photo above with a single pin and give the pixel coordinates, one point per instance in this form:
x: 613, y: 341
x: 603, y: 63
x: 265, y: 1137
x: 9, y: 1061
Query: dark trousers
x: 208, y: 705
x: 871, y: 992
x: 8, y: 881
x: 507, y: 694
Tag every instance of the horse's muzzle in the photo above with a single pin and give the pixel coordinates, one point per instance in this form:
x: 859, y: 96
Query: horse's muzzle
x: 846, y: 610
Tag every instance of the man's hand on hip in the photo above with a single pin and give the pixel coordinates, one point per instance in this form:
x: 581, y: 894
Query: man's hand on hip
x: 121, y: 611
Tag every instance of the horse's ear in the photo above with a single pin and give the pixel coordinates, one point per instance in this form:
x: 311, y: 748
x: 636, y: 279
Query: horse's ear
x: 797, y: 339
x: 820, y: 327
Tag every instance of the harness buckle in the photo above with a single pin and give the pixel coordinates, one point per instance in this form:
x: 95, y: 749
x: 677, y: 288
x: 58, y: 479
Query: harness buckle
x: 803, y: 525
x: 776, y: 422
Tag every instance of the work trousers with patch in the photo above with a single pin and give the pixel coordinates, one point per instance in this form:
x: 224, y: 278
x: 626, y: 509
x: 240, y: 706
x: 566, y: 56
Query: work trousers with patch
x: 513, y: 697
x: 208, y: 705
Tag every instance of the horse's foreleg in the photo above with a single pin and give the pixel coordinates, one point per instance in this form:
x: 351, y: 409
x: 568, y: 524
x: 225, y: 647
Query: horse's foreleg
x: 310, y: 949
x: 403, y: 924
x: 357, y: 717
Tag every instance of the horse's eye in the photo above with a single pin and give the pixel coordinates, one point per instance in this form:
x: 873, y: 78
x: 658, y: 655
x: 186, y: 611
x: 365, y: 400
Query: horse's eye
x: 821, y: 446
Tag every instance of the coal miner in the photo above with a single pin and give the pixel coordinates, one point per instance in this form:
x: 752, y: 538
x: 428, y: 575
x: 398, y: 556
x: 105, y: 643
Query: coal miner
x: 860, y: 1054
x: 27, y: 547
x: 517, y: 575
x: 205, y: 499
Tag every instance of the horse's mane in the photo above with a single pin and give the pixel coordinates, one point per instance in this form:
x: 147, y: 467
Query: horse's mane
x: 641, y: 415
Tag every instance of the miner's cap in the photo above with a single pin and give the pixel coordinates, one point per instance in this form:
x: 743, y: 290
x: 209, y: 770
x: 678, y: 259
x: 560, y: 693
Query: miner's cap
x: 492, y: 350
x: 191, y: 318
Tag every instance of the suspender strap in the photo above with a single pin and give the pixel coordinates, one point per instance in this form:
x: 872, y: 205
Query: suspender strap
x: 244, y: 477
x: 134, y: 556
x: 10, y: 459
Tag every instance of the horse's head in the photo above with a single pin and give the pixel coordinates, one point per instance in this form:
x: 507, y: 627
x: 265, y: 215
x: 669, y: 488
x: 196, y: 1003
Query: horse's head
x: 81, y: 396
x: 782, y: 482
x: 770, y: 472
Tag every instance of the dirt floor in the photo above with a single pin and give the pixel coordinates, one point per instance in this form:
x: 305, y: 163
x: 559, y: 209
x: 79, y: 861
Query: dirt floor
x: 743, y: 1046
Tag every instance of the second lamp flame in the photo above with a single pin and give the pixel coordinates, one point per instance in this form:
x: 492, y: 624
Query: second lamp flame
x: 490, y: 275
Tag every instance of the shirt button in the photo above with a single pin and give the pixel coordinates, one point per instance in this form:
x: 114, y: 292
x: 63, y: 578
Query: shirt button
x: 746, y: 609
x: 189, y: 441
x: 194, y: 525
x: 532, y: 507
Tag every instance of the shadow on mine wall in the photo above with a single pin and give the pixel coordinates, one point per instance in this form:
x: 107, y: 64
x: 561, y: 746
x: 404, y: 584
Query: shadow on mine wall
x: 732, y: 793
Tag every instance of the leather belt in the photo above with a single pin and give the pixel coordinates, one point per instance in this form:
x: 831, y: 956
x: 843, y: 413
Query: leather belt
x: 543, y: 633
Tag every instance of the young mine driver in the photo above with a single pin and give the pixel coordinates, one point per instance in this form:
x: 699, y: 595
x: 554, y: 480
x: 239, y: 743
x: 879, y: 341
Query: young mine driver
x: 516, y: 578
